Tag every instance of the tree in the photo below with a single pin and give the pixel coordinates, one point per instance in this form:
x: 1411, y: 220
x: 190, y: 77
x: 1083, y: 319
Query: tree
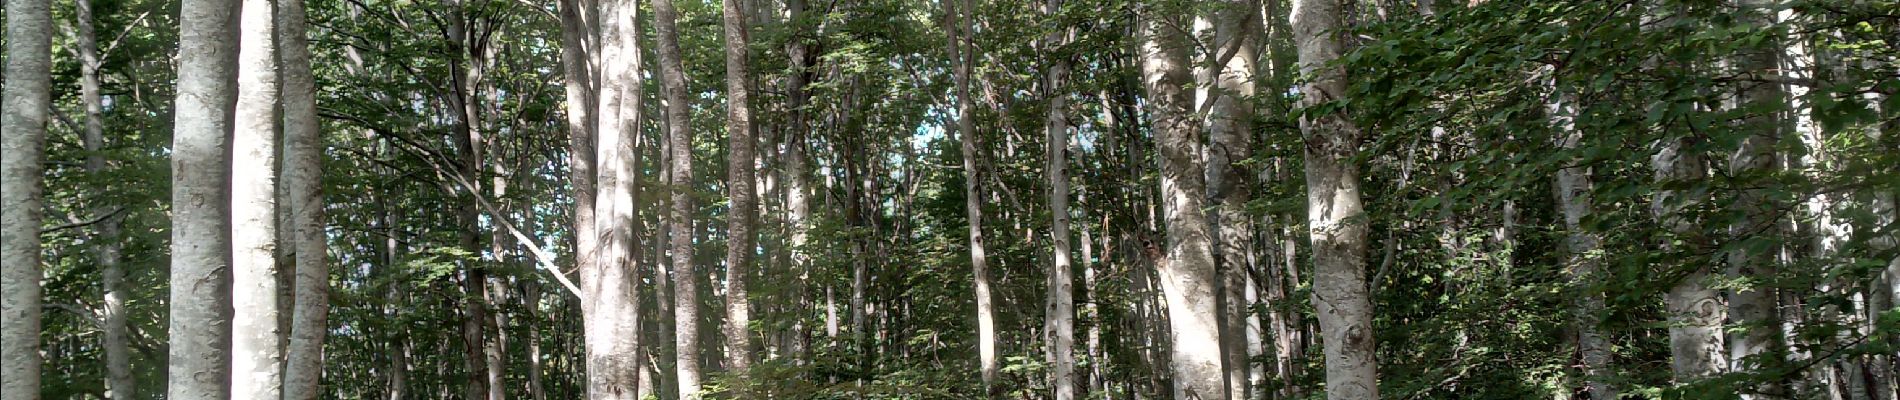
x: 610, y: 305
x: 680, y: 132
x: 1335, y: 212
x: 303, y: 182
x: 1230, y: 90
x: 1061, y: 318
x: 1187, y: 271
x: 119, y: 381
x: 257, y: 337
x: 28, y: 102
x: 963, y: 57
x: 740, y: 192
x: 1755, y: 307
x: 201, y: 273
x: 1583, y: 258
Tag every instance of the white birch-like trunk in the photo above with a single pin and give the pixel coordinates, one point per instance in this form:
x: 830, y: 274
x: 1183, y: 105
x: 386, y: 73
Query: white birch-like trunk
x: 1335, y: 211
x: 201, y: 245
x: 257, y: 337
x: 1231, y: 72
x: 28, y: 104
x: 964, y: 55
x: 1186, y: 272
x: 1583, y: 260
x: 610, y: 311
x: 1061, y: 290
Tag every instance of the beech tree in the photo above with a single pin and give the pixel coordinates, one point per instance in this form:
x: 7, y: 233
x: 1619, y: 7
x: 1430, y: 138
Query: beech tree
x: 28, y: 104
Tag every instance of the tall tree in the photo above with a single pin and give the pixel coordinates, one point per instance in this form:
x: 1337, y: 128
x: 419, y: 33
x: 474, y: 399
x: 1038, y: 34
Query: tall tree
x: 1335, y: 212
x: 740, y: 192
x: 610, y: 306
x: 257, y: 337
x: 1230, y: 143
x: 1186, y: 270
x: 1061, y: 315
x: 200, y: 331
x: 109, y: 249
x: 28, y: 103
x: 303, y: 186
x: 1583, y: 258
x: 680, y: 132
x: 1755, y: 307
x: 963, y: 54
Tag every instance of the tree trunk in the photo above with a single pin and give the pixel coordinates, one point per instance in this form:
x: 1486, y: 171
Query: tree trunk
x: 963, y: 55
x: 1695, y: 310
x: 119, y: 381
x: 678, y: 117
x: 740, y: 192
x: 1583, y: 260
x: 1335, y: 212
x: 257, y: 339
x: 465, y: 68
x: 1230, y: 127
x: 200, y: 326
x: 611, y: 306
x: 1187, y: 273
x: 28, y: 103
x: 797, y: 171
x: 1061, y: 316
x: 1754, y: 307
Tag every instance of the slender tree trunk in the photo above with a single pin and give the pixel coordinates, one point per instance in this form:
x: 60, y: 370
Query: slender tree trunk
x: 1758, y: 344
x: 1187, y: 271
x: 465, y: 68
x: 1061, y: 318
x: 1230, y: 127
x: 257, y: 345
x: 963, y: 55
x: 1335, y: 212
x: 303, y: 157
x: 679, y: 129
x: 740, y: 191
x: 28, y: 103
x: 1583, y: 260
x: 119, y: 381
x: 797, y: 170
x: 200, y: 324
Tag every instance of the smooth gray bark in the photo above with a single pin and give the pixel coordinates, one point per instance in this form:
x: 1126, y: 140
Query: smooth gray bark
x: 680, y: 133
x: 28, y: 103
x: 303, y: 184
x: 964, y: 55
x: 1230, y: 126
x: 740, y: 190
x: 257, y: 337
x: 1186, y: 270
x: 1583, y: 259
x: 1060, y: 321
x: 200, y: 338
x: 610, y: 311
x: 1335, y: 211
